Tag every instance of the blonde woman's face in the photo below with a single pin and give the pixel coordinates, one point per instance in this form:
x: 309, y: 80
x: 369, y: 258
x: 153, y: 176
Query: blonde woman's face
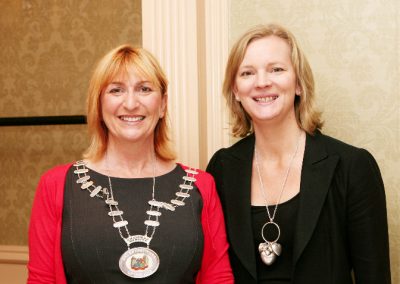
x: 265, y: 83
x: 131, y: 108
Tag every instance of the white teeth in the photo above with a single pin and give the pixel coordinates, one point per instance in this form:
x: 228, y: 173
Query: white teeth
x: 265, y: 99
x: 132, y: 119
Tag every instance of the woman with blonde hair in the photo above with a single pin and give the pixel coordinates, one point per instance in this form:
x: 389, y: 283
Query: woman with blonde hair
x: 300, y: 207
x: 127, y: 212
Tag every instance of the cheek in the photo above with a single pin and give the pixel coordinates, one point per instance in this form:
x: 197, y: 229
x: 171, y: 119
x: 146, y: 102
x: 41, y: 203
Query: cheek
x: 111, y: 103
x: 243, y: 87
x: 105, y: 108
x: 155, y: 103
x: 290, y: 83
x: 104, y: 103
x: 286, y: 86
x: 108, y: 108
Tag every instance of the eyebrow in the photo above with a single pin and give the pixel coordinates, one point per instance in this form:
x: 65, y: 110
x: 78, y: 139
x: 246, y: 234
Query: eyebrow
x: 122, y: 83
x: 269, y: 64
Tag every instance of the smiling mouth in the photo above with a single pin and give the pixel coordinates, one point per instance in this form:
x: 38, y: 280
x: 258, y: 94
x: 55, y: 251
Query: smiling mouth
x: 131, y: 118
x: 266, y: 99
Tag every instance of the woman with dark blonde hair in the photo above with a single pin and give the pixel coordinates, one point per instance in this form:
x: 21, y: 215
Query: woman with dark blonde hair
x: 127, y: 212
x: 300, y: 207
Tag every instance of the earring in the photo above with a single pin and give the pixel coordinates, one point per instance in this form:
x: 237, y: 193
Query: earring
x: 237, y: 99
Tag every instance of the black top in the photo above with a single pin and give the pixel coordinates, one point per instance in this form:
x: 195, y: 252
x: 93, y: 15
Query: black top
x: 91, y: 246
x: 280, y: 271
x: 342, y: 211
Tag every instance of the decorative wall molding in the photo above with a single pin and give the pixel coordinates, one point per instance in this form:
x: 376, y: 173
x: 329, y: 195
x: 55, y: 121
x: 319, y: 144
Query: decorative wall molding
x: 217, y: 48
x: 190, y: 39
x: 42, y: 120
x: 14, y: 254
x: 169, y: 31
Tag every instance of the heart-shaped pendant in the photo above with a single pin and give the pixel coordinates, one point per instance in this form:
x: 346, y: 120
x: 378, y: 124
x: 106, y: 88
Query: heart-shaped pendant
x: 268, y: 257
x: 269, y: 252
x: 262, y: 247
x: 276, y: 248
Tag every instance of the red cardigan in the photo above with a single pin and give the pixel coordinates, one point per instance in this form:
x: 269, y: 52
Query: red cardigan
x: 45, y: 261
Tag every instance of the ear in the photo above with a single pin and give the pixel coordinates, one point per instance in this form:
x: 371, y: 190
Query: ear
x: 164, y: 103
x: 235, y: 93
x: 298, y: 90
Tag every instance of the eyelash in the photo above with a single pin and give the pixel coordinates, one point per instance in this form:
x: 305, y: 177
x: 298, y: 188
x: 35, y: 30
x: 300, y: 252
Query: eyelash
x: 246, y: 73
x: 145, y: 89
x: 277, y: 69
x: 140, y: 89
x: 115, y: 90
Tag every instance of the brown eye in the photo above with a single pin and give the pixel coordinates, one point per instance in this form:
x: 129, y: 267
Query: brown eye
x: 245, y: 73
x: 115, y: 90
x: 277, y: 69
x: 145, y: 89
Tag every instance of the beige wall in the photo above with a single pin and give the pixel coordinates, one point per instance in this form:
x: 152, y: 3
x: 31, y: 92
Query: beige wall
x: 48, y: 49
x: 354, y: 49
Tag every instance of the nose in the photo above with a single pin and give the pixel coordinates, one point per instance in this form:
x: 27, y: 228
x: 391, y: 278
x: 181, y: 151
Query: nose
x: 130, y: 100
x: 263, y: 80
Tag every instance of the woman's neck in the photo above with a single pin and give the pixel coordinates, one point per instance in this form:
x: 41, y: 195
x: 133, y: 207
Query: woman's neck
x: 127, y: 160
x: 134, y: 162
x: 277, y: 142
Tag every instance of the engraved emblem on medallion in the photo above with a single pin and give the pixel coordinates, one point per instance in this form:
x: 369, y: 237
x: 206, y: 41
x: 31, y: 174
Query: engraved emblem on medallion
x: 139, y: 262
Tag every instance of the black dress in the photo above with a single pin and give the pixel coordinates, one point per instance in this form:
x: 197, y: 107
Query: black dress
x: 91, y: 246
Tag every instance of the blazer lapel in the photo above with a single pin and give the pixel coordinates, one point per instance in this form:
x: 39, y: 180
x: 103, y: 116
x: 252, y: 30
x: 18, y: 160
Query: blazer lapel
x: 238, y: 168
x: 317, y: 173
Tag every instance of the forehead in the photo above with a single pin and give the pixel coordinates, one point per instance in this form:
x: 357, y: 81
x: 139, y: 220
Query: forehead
x: 270, y: 48
x: 130, y: 74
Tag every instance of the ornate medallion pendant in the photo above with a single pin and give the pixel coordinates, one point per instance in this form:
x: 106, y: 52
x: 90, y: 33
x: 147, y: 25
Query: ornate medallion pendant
x: 139, y: 262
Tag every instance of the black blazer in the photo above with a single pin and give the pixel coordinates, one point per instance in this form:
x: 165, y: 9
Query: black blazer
x: 341, y: 224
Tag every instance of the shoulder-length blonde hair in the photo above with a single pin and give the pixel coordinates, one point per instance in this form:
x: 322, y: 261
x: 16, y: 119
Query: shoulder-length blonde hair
x: 307, y: 116
x: 119, y: 61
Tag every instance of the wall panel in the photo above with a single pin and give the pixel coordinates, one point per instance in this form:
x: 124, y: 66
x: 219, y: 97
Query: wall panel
x: 48, y: 50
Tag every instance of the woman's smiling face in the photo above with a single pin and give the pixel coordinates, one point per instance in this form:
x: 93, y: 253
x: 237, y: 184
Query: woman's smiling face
x: 266, y: 82
x: 131, y: 108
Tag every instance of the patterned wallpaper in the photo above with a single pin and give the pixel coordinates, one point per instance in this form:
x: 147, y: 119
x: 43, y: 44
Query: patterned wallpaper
x: 353, y: 47
x: 48, y: 50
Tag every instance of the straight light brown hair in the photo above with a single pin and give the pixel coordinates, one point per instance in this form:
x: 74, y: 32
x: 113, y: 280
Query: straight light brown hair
x: 307, y: 116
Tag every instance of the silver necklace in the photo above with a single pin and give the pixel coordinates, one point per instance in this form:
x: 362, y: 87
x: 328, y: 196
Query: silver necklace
x: 270, y: 250
x: 139, y: 261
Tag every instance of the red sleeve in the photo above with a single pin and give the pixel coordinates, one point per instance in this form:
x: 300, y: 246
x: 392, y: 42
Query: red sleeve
x: 215, y: 266
x: 45, y: 262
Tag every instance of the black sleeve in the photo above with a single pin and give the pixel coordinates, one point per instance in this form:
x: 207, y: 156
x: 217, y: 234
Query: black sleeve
x: 211, y: 167
x: 367, y: 221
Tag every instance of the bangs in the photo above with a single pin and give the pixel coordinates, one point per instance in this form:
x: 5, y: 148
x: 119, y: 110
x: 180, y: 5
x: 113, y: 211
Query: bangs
x: 128, y: 64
